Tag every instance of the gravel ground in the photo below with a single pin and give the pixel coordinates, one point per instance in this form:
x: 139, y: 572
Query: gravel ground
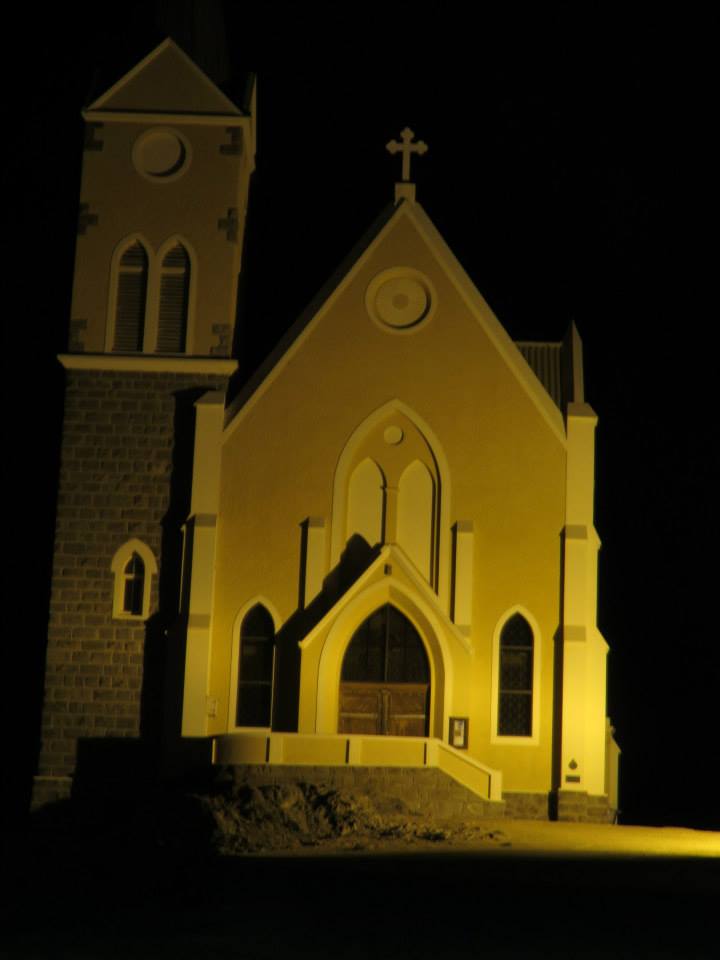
x: 314, y: 873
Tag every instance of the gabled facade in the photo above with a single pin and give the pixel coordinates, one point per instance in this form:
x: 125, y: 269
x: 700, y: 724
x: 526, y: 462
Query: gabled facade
x: 388, y: 550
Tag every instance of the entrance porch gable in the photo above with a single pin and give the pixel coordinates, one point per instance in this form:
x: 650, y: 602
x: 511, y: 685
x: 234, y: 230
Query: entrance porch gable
x: 389, y: 580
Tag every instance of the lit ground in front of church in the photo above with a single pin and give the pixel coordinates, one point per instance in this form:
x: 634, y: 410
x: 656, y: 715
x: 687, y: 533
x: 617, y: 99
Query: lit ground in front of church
x: 519, y: 889
x: 541, y: 838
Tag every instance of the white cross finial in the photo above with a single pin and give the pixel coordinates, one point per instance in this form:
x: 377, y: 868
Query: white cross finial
x: 406, y: 148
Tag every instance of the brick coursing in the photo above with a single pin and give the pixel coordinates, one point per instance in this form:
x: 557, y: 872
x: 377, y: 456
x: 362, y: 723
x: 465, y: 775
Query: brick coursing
x: 119, y: 444
x: 527, y: 806
x: 50, y: 790
x: 584, y: 807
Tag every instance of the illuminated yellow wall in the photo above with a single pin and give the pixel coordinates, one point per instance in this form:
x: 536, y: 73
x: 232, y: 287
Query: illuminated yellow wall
x: 158, y: 207
x: 121, y: 201
x: 398, y: 409
x: 505, y: 466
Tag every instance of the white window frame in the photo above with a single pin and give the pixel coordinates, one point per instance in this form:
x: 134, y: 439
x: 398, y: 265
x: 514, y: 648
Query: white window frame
x: 152, y: 296
x: 235, y: 660
x: 534, y: 737
x: 120, y: 561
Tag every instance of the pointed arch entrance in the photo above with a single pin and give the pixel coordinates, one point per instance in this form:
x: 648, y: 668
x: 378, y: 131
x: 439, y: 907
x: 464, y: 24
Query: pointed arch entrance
x: 385, y: 678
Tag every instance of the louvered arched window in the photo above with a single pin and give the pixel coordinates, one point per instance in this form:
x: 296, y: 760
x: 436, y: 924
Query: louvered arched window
x: 516, y: 678
x: 130, y: 300
x: 257, y: 656
x: 173, y: 306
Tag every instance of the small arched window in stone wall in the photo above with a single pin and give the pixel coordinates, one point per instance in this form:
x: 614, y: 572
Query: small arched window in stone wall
x: 257, y: 661
x: 134, y: 590
x: 133, y: 568
x: 173, y: 306
x: 516, y: 678
x: 130, y: 300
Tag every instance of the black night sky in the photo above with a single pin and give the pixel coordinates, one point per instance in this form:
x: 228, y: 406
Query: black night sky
x: 562, y: 171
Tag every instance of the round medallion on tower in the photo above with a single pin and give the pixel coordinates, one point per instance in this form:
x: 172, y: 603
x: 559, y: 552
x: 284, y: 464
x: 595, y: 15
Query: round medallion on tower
x: 400, y: 299
x: 161, y: 154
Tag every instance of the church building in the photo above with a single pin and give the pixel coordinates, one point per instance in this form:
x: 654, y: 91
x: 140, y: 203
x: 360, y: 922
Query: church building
x: 378, y: 551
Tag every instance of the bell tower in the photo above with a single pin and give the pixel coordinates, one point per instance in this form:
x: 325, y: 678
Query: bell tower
x: 166, y: 171
x: 164, y: 192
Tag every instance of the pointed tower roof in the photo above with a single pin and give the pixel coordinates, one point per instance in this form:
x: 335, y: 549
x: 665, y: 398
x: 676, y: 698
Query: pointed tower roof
x: 165, y: 82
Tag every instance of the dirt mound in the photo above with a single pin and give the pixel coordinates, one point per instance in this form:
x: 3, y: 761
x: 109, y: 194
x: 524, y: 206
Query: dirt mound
x: 225, y: 813
x: 271, y: 817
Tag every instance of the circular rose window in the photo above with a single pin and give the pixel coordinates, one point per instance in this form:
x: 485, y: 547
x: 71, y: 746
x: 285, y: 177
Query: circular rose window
x: 400, y: 299
x: 161, y: 154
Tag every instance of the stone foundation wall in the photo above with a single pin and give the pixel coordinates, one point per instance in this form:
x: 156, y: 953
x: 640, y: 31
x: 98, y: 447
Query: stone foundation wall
x: 50, y: 790
x: 527, y: 806
x: 584, y: 807
x: 125, y: 472
x: 427, y: 788
x: 421, y: 788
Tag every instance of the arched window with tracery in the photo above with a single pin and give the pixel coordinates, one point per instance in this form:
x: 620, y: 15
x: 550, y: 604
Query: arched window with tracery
x: 130, y: 299
x: 515, y: 694
x: 173, y: 300
x: 392, y: 486
x: 257, y: 659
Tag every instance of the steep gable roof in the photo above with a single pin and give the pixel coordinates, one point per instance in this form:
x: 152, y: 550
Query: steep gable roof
x: 165, y: 81
x: 326, y: 297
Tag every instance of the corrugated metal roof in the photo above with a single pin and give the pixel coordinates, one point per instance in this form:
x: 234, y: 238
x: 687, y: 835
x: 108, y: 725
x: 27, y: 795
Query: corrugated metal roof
x: 546, y: 362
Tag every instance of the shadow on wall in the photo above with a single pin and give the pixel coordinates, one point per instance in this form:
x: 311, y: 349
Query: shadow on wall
x: 160, y: 753
x: 159, y: 749
x: 354, y: 561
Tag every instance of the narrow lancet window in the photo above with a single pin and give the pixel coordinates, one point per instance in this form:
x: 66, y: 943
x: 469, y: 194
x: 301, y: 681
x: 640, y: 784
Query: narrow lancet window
x: 516, y: 678
x: 415, y: 520
x: 134, y: 586
x: 366, y: 502
x: 257, y: 655
x: 173, y: 309
x: 130, y: 300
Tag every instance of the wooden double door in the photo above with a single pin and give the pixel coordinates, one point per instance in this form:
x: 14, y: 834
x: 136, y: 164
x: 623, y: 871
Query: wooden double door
x: 385, y: 680
x: 396, y: 709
